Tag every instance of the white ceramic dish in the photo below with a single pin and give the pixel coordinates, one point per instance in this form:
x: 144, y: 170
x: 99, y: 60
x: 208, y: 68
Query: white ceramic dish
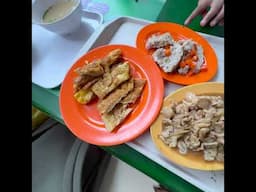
x: 68, y: 24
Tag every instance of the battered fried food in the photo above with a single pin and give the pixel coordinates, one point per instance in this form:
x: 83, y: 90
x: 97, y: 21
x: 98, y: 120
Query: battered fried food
x: 96, y: 68
x: 108, y: 79
x: 135, y: 93
x: 115, y: 110
x: 107, y: 104
x: 118, y: 75
x: 111, y: 58
x: 90, y: 83
x: 80, y: 81
x: 84, y: 96
x: 116, y: 116
x: 91, y: 69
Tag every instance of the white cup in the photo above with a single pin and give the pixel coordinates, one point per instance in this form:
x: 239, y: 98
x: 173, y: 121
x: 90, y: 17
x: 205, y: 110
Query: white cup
x: 68, y: 24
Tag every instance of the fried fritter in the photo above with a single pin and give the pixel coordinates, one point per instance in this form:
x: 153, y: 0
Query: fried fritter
x: 91, y: 69
x: 90, y: 83
x: 111, y: 58
x: 116, y: 116
x: 80, y: 81
x: 118, y: 75
x: 135, y: 93
x: 107, y: 104
x: 84, y: 96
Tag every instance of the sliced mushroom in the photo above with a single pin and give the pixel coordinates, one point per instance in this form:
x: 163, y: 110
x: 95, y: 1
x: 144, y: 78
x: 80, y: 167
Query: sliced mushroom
x: 220, y: 112
x: 191, y: 97
x: 166, y: 122
x: 218, y: 102
x: 167, y: 112
x: 179, y: 132
x: 173, y: 140
x: 203, y: 132
x: 220, y: 154
x: 210, y: 145
x: 199, y: 148
x: 165, y: 133
x: 192, y: 141
x: 204, y: 103
x: 210, y: 154
x: 182, y: 147
x: 220, y: 140
x: 181, y: 108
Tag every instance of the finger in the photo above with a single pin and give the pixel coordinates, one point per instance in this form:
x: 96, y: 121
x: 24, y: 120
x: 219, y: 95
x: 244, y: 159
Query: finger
x: 219, y: 17
x: 215, y: 8
x: 193, y: 15
x: 204, y: 13
x: 201, y: 8
x: 221, y: 23
x: 196, y: 12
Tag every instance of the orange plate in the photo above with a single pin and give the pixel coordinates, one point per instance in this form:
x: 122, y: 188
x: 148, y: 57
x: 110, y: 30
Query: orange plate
x: 191, y: 160
x: 84, y: 120
x: 181, y: 32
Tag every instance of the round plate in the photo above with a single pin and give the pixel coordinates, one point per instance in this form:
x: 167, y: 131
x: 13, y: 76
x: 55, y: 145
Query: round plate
x: 179, y: 32
x: 84, y: 120
x: 192, y: 159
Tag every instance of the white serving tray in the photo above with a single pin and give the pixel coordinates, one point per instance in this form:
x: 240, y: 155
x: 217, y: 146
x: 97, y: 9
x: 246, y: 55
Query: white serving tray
x: 124, y: 30
x: 52, y: 54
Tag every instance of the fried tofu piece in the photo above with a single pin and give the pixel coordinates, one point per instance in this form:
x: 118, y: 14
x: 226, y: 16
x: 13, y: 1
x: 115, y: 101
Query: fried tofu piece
x: 118, y: 75
x: 135, y: 93
x: 84, y: 96
x: 107, y: 104
x: 116, y: 116
x: 91, y: 69
x: 111, y: 58
x: 90, y: 83
x: 80, y: 81
x: 96, y: 67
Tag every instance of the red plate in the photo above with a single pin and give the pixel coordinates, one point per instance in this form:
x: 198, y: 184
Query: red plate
x: 84, y: 120
x: 179, y: 32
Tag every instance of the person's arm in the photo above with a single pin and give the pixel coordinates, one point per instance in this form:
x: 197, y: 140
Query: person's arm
x: 214, y: 16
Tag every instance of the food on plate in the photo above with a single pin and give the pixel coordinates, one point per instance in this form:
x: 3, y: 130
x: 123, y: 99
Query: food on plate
x: 193, y: 57
x: 116, y: 116
x: 135, y: 93
x: 118, y: 75
x: 195, y: 124
x: 185, y: 57
x: 109, y: 79
x: 93, y: 69
x: 158, y: 41
x: 84, y: 96
x: 108, y: 103
x: 168, y: 62
x: 111, y: 58
x: 80, y: 81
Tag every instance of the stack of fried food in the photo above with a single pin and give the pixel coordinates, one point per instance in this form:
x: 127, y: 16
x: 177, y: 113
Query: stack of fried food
x: 110, y: 80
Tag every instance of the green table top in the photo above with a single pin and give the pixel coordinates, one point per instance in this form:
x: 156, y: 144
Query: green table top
x: 154, y: 10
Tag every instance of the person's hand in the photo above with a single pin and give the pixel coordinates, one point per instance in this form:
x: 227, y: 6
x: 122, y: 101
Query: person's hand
x: 214, y: 16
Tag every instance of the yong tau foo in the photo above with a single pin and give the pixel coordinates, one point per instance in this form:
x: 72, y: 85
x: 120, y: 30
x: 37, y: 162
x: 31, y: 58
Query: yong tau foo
x: 185, y: 57
x: 109, y: 79
x: 196, y: 124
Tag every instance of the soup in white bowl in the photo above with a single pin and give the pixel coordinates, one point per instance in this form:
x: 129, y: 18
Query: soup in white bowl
x: 58, y: 11
x: 59, y: 16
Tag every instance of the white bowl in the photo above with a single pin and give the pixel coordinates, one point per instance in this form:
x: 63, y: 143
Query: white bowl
x: 68, y: 24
